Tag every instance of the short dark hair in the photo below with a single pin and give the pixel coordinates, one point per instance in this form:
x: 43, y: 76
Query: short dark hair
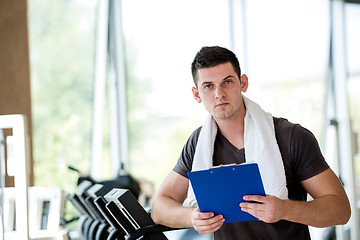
x: 212, y: 56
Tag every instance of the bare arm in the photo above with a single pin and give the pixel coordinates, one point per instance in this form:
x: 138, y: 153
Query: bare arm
x: 330, y: 205
x: 167, y: 208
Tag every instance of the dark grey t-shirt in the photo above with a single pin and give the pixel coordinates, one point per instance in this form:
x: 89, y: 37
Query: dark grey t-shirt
x: 302, y: 160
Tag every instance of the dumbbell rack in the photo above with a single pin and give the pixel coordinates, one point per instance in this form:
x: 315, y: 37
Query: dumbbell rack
x: 114, y: 214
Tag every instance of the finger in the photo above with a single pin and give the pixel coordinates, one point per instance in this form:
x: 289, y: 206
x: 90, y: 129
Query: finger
x: 254, y: 209
x: 201, y: 215
x: 211, y: 221
x: 211, y: 229
x: 255, y: 198
x: 252, y: 205
x: 209, y: 225
x: 204, y: 226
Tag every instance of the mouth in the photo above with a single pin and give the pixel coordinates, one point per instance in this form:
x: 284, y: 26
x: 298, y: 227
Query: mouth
x: 221, y: 105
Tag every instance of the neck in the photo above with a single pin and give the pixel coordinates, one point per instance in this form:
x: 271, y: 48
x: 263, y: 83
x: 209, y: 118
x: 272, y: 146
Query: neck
x: 233, y: 129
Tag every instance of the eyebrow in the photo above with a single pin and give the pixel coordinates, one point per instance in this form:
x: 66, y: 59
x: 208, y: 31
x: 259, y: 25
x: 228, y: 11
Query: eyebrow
x: 230, y: 76
x: 205, y: 83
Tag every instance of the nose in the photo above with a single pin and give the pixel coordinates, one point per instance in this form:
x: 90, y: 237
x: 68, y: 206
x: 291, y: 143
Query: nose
x: 219, y: 93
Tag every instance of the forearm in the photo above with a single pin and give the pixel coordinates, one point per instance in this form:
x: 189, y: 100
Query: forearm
x: 325, y: 211
x: 330, y: 205
x: 167, y: 208
x: 168, y: 212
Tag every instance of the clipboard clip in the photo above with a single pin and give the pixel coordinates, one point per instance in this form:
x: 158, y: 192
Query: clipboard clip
x: 223, y: 165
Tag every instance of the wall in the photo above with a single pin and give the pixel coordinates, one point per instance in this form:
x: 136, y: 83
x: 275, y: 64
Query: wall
x: 15, y: 95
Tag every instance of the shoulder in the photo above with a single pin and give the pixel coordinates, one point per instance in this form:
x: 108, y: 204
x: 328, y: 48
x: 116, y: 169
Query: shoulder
x: 287, y: 131
x: 294, y: 137
x: 185, y: 161
x: 193, y: 139
x: 284, y: 130
x: 191, y: 143
x: 300, y: 147
x: 283, y: 124
x: 195, y: 134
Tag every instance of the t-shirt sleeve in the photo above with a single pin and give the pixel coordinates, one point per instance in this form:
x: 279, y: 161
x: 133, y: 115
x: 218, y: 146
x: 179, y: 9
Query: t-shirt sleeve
x: 308, y: 160
x: 184, y: 163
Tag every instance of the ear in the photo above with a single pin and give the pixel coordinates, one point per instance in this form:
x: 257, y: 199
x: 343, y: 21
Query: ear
x: 196, y: 94
x: 244, y: 83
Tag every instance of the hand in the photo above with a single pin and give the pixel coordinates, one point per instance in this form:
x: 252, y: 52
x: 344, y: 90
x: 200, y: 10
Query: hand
x: 206, y: 222
x: 268, y: 209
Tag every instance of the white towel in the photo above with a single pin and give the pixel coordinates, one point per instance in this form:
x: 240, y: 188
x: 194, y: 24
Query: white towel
x: 260, y: 147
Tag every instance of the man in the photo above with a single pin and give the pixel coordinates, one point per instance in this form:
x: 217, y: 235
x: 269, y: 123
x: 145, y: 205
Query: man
x: 219, y: 86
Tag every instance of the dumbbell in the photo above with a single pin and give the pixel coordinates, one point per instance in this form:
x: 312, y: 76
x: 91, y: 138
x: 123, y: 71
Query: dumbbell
x: 128, y: 212
x: 115, y: 230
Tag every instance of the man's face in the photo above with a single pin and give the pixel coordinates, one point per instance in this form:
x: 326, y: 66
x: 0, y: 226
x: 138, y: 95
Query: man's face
x: 219, y: 88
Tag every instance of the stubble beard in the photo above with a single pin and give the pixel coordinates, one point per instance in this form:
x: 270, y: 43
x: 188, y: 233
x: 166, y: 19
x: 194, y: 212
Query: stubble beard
x: 227, y: 114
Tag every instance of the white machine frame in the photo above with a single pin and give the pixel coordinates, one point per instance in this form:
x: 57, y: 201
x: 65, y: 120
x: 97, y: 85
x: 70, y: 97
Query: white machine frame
x: 17, y: 123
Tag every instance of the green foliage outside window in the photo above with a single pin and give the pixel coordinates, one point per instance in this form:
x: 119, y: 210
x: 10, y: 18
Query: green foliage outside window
x: 61, y: 56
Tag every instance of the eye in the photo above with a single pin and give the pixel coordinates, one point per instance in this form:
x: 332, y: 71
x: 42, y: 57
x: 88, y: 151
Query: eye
x: 228, y: 81
x: 207, y: 86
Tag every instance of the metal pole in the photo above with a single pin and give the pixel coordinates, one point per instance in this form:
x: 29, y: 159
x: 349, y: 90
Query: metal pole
x: 119, y: 145
x: 99, y: 87
x: 342, y: 116
x: 238, y: 31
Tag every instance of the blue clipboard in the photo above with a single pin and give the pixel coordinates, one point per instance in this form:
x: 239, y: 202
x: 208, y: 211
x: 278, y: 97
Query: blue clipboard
x: 221, y: 189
